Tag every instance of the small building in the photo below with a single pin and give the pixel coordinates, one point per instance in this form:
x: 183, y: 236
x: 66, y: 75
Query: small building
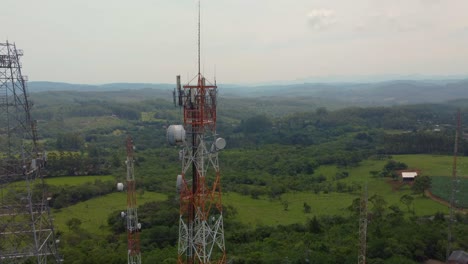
x: 409, y: 176
x: 458, y: 257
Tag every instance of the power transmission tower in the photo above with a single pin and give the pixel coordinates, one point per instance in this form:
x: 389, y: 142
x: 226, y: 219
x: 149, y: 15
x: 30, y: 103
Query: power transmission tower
x: 363, y: 227
x: 201, y: 227
x: 133, y: 227
x: 26, y: 228
x: 454, y: 187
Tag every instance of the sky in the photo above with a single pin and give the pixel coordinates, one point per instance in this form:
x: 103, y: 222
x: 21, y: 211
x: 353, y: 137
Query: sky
x: 242, y: 41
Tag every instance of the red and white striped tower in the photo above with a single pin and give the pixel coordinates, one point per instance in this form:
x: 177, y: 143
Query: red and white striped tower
x: 133, y: 227
x: 201, y: 228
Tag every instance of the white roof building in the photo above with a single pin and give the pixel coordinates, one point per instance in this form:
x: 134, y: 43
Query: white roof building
x: 409, y: 175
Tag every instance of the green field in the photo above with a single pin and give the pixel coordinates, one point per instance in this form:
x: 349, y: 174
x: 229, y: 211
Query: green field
x: 271, y: 212
x: 263, y: 211
x: 150, y: 117
x: 442, y: 188
x: 93, y: 213
x: 434, y: 165
x: 430, y: 165
x: 87, y: 123
x: 77, y: 180
x: 266, y: 212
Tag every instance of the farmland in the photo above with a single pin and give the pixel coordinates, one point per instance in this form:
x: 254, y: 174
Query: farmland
x: 77, y: 180
x: 93, y: 213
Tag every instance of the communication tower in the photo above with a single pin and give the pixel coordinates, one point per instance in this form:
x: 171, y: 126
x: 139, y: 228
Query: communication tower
x: 363, y: 227
x: 201, y: 228
x: 454, y: 187
x: 26, y: 228
x: 133, y: 227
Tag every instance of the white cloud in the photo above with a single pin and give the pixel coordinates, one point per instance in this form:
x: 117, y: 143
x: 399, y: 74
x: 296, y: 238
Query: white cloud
x: 321, y: 18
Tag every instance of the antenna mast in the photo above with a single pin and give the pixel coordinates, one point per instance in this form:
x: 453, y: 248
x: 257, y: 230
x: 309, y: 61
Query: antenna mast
x: 454, y: 188
x: 201, y: 227
x: 199, y: 37
x: 133, y: 227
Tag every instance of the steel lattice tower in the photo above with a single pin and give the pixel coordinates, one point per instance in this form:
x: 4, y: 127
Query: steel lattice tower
x: 201, y: 227
x: 26, y: 229
x: 133, y: 227
x: 363, y: 227
x: 454, y: 187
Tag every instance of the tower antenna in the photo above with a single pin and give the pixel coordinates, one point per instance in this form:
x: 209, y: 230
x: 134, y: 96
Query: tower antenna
x: 199, y: 26
x: 133, y: 226
x: 201, y: 227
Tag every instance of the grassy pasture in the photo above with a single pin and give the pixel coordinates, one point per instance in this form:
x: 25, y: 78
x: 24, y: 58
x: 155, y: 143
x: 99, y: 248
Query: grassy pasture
x: 434, y: 165
x: 87, y: 123
x: 77, y: 180
x: 430, y: 165
x: 93, y: 213
x: 442, y: 188
x: 264, y: 211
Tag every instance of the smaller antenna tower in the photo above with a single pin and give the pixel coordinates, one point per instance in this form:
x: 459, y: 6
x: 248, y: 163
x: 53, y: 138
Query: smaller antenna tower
x: 454, y: 188
x: 133, y: 227
x: 363, y: 227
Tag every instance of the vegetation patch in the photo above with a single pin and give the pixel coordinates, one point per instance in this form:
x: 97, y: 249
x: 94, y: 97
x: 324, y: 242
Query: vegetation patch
x: 431, y: 165
x: 93, y: 213
x: 77, y: 180
x: 442, y: 188
x: 292, y: 207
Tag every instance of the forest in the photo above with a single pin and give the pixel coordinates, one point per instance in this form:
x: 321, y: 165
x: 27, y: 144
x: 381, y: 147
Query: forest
x: 274, y: 150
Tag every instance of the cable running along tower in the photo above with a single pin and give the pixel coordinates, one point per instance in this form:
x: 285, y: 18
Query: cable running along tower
x: 133, y: 227
x: 201, y: 229
x: 26, y: 229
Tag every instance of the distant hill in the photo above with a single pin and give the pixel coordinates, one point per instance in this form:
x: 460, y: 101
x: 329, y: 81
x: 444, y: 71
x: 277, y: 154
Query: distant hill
x: 59, y: 86
x: 381, y: 93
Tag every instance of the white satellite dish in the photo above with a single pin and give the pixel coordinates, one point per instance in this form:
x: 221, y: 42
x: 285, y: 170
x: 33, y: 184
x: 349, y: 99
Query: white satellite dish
x: 220, y: 143
x: 175, y: 135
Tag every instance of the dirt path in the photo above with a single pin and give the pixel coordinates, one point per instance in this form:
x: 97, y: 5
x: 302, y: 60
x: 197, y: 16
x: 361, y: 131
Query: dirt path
x: 442, y: 201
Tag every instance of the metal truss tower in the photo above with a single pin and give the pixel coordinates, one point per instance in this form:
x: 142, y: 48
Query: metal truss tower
x: 26, y: 229
x: 363, y: 227
x: 201, y: 227
x: 133, y: 227
x: 454, y: 187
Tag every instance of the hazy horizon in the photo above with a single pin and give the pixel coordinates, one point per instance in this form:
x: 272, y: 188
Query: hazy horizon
x: 244, y: 42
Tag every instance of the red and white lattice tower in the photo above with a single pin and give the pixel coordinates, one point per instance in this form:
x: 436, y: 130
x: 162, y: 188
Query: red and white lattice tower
x: 133, y: 227
x: 201, y: 228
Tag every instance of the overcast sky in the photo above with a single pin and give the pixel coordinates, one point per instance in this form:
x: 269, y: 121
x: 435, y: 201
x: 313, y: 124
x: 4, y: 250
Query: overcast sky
x: 246, y: 41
